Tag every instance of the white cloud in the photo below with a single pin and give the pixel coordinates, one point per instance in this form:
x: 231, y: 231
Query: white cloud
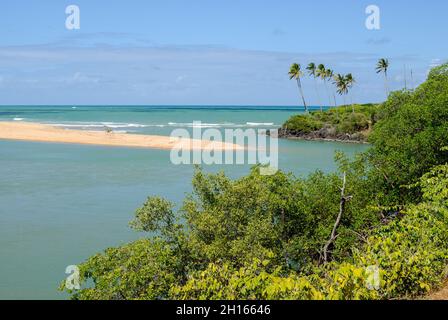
x: 432, y: 64
x: 81, y: 78
x: 379, y: 41
x: 180, y: 78
x: 177, y: 75
x: 435, y: 63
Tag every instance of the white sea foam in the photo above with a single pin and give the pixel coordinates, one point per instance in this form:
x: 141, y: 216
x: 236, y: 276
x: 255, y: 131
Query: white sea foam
x: 118, y: 125
x: 203, y: 125
x: 123, y: 125
x: 196, y: 125
x: 99, y: 125
x: 262, y: 124
x: 18, y: 119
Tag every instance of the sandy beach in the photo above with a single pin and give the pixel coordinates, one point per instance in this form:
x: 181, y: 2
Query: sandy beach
x: 46, y: 133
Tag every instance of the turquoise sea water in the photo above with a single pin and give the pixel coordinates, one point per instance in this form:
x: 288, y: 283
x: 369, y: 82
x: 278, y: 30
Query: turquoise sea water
x: 60, y: 203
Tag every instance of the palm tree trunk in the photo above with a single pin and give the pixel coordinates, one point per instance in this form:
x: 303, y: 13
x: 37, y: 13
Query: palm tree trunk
x: 317, y: 93
x: 299, y: 84
x: 328, y: 95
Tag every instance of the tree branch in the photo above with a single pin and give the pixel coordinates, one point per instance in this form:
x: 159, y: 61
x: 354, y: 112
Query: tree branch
x: 333, y: 237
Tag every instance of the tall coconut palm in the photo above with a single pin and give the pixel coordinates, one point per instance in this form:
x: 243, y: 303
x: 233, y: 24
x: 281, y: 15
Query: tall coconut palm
x: 295, y: 72
x: 350, y: 82
x: 341, y: 85
x: 382, y: 67
x: 321, y: 72
x: 330, y: 75
x: 312, y: 72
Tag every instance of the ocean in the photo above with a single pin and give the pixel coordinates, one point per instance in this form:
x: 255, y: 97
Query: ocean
x: 61, y: 203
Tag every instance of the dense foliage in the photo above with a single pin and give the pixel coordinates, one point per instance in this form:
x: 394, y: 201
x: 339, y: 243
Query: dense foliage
x: 408, y: 139
x: 411, y: 254
x: 354, y: 122
x: 263, y: 237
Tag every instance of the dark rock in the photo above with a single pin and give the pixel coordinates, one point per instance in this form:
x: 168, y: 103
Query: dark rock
x: 323, y: 134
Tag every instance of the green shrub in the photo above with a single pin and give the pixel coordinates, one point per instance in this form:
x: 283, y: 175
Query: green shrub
x: 409, y: 136
x: 353, y: 122
x: 341, y: 120
x: 302, y: 124
x: 411, y: 254
x: 253, y: 282
x: 236, y: 250
x: 145, y: 269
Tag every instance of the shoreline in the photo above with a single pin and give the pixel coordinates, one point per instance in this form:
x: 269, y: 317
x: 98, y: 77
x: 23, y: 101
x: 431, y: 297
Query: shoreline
x: 324, y: 139
x: 37, y: 132
x: 320, y: 135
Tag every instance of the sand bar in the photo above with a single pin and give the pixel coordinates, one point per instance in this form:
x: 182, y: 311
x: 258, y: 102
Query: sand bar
x: 46, y: 133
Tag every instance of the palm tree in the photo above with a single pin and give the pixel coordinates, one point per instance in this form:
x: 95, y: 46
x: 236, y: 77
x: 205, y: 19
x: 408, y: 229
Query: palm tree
x: 296, y: 73
x: 330, y: 75
x: 350, y: 82
x: 342, y: 85
x: 381, y: 67
x: 321, y: 72
x: 312, y: 72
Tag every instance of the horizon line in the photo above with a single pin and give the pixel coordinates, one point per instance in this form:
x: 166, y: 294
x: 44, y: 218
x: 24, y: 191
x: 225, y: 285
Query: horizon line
x: 167, y: 105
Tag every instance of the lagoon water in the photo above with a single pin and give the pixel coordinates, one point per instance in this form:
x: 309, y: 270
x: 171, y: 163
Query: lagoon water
x: 61, y: 203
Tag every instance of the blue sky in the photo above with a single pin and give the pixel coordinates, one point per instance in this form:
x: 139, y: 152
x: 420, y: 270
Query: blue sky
x: 220, y: 52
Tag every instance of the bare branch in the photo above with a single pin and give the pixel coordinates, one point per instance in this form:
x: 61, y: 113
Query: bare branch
x: 334, y: 236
